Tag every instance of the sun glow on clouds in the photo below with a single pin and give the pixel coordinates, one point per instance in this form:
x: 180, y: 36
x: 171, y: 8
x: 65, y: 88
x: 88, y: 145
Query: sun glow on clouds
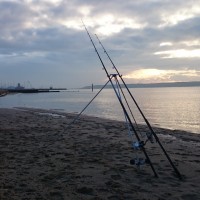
x: 179, y: 53
x: 104, y: 25
x: 157, y: 75
x: 75, y: 22
x: 109, y: 24
x: 187, y: 43
x: 165, y: 44
x: 191, y: 43
x: 143, y: 74
x: 180, y: 15
x: 84, y: 10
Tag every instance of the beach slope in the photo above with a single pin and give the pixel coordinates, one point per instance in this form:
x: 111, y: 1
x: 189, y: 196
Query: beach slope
x: 42, y: 158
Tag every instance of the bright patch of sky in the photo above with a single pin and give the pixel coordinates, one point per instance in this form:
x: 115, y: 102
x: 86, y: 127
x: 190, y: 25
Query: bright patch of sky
x: 157, y: 75
x: 179, y: 53
x: 181, y: 14
x: 166, y: 44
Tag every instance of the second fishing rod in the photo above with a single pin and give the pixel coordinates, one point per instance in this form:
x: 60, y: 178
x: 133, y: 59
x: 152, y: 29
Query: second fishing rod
x: 122, y: 105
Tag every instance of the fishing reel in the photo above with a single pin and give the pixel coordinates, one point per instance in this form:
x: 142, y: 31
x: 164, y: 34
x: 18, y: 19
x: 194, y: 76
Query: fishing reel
x: 139, y: 161
x: 138, y: 145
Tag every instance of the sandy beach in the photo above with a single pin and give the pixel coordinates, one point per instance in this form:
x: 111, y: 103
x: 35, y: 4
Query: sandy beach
x: 42, y: 158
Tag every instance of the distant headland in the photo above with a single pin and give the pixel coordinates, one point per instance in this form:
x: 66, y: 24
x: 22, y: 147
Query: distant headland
x: 153, y: 85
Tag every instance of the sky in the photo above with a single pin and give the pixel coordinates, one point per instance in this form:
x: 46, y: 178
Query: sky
x: 43, y: 42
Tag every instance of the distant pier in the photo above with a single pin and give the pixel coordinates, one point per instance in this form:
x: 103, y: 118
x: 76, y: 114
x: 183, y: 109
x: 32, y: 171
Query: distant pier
x: 35, y: 90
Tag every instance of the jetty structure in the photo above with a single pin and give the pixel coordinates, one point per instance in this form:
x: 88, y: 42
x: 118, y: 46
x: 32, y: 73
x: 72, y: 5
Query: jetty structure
x: 21, y: 89
x: 139, y: 141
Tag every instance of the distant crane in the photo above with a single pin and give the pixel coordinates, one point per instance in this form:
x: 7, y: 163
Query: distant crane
x: 29, y: 83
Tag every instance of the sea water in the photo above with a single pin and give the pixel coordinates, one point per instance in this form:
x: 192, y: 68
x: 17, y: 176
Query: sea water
x: 174, y: 107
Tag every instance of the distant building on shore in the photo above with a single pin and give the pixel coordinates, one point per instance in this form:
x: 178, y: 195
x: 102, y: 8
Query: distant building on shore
x: 19, y: 87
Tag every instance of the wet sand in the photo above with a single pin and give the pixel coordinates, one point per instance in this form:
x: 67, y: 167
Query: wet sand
x: 42, y: 159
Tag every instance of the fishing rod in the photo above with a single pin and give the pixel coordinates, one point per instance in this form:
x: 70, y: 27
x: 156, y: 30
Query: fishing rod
x: 121, y: 103
x: 145, y: 119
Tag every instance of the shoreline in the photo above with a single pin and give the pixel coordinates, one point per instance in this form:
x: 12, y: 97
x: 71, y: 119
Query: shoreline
x: 90, y: 159
x: 180, y: 134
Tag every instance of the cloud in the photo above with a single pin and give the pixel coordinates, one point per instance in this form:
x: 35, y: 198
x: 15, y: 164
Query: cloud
x: 47, y: 37
x: 183, y: 13
x: 180, y: 53
x: 165, y: 44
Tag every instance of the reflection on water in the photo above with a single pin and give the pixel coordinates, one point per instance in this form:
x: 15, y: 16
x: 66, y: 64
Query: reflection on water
x: 175, y: 108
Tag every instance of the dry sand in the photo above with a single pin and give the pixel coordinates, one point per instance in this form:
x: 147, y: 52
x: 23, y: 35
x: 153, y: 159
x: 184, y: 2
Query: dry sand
x: 90, y: 160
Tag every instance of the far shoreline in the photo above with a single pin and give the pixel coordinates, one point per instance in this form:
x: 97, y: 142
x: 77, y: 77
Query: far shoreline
x: 151, y: 85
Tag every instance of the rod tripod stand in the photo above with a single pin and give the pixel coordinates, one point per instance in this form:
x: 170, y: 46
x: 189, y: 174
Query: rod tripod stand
x: 133, y: 130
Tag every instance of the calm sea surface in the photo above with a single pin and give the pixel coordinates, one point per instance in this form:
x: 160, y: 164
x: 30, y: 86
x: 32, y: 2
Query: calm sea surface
x: 174, y: 108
